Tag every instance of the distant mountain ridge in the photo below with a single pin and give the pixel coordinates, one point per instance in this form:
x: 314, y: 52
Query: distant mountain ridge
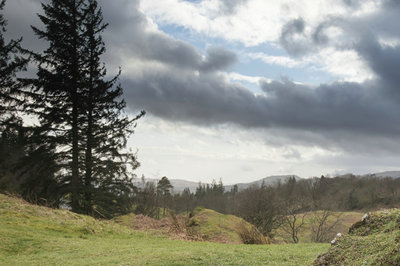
x: 179, y: 185
x: 392, y: 174
x: 268, y: 181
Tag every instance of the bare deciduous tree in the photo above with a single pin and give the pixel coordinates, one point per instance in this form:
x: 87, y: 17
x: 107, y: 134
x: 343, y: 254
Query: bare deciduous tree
x: 322, y: 225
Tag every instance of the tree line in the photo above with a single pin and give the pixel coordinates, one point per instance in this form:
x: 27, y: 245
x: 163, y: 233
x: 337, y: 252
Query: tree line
x: 283, y: 205
x: 74, y: 152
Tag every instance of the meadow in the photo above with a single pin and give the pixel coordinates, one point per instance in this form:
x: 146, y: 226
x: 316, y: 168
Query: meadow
x: 34, y: 235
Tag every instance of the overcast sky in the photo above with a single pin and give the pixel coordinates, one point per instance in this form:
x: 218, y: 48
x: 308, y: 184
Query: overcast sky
x: 244, y: 89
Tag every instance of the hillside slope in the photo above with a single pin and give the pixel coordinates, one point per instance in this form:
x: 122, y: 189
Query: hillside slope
x: 33, y: 235
x: 375, y: 240
x: 216, y: 227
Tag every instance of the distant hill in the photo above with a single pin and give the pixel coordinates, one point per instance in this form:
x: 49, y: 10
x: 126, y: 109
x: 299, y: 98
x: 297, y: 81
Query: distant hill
x: 393, y: 174
x: 268, y: 181
x: 179, y: 185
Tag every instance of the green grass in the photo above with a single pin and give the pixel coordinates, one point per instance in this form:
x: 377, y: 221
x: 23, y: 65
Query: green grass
x: 216, y: 227
x: 374, y: 241
x: 32, y: 235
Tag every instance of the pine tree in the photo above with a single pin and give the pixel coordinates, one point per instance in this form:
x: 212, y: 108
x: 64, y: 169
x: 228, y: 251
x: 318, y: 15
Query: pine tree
x: 164, y: 192
x: 107, y: 184
x: 81, y: 111
x: 26, y: 162
x: 10, y: 64
x: 58, y: 87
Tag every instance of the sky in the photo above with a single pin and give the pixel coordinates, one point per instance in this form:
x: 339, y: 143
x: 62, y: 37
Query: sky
x: 244, y: 89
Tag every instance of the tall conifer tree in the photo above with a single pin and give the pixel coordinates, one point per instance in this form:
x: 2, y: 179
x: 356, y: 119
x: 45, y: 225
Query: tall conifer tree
x: 26, y: 162
x: 58, y: 86
x: 10, y: 64
x: 107, y: 183
x: 81, y: 111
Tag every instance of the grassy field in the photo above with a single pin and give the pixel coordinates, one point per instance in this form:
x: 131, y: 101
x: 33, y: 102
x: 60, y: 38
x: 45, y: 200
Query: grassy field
x: 32, y: 235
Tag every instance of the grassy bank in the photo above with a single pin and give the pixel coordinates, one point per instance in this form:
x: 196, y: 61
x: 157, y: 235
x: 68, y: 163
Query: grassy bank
x: 373, y: 241
x: 32, y: 235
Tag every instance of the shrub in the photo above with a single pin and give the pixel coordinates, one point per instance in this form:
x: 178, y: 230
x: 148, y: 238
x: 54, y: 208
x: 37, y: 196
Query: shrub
x: 250, y: 234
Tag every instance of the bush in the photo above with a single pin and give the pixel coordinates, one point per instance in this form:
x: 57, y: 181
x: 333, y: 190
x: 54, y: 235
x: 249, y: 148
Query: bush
x: 251, y: 235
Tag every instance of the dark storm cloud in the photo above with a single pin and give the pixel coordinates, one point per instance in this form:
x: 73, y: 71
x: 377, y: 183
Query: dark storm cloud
x: 384, y: 61
x: 218, y: 58
x: 21, y: 14
x: 207, y: 100
x: 230, y: 6
x: 293, y: 37
x: 352, y: 3
x: 201, y: 99
x: 128, y: 37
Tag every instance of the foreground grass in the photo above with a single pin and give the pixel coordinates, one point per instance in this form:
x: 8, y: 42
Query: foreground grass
x: 373, y: 241
x: 32, y: 235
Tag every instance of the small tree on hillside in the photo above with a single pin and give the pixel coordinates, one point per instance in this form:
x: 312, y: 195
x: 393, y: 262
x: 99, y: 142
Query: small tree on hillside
x: 322, y: 225
x: 164, y: 192
x: 261, y: 207
x: 293, y: 220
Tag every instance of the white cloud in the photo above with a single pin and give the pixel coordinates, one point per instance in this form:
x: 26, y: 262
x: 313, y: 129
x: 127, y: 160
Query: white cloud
x: 254, y: 23
x: 345, y: 65
x: 277, y: 60
x: 176, y: 149
x: 389, y: 42
x: 233, y: 76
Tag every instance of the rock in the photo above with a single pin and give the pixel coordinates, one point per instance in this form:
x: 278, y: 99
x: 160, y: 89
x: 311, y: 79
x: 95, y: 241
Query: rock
x: 335, y: 240
x: 365, y: 217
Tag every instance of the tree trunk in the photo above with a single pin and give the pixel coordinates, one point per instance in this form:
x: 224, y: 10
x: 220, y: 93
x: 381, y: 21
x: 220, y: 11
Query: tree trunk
x: 75, y: 147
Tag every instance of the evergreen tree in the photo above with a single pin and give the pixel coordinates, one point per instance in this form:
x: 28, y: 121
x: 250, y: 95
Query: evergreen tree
x: 26, y: 161
x: 58, y: 88
x: 164, y: 192
x: 27, y: 166
x: 10, y: 64
x: 107, y: 183
x: 82, y: 112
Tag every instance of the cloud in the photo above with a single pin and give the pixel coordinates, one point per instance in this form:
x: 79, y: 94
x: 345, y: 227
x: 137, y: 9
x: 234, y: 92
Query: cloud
x: 294, y: 39
x: 20, y: 21
x: 277, y: 60
x: 173, y: 80
x: 207, y: 99
x: 218, y: 58
x: 384, y: 61
x: 189, y: 89
x: 230, y: 6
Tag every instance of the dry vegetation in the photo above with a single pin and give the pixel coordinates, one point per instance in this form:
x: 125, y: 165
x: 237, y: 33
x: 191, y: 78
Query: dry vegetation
x: 200, y: 225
